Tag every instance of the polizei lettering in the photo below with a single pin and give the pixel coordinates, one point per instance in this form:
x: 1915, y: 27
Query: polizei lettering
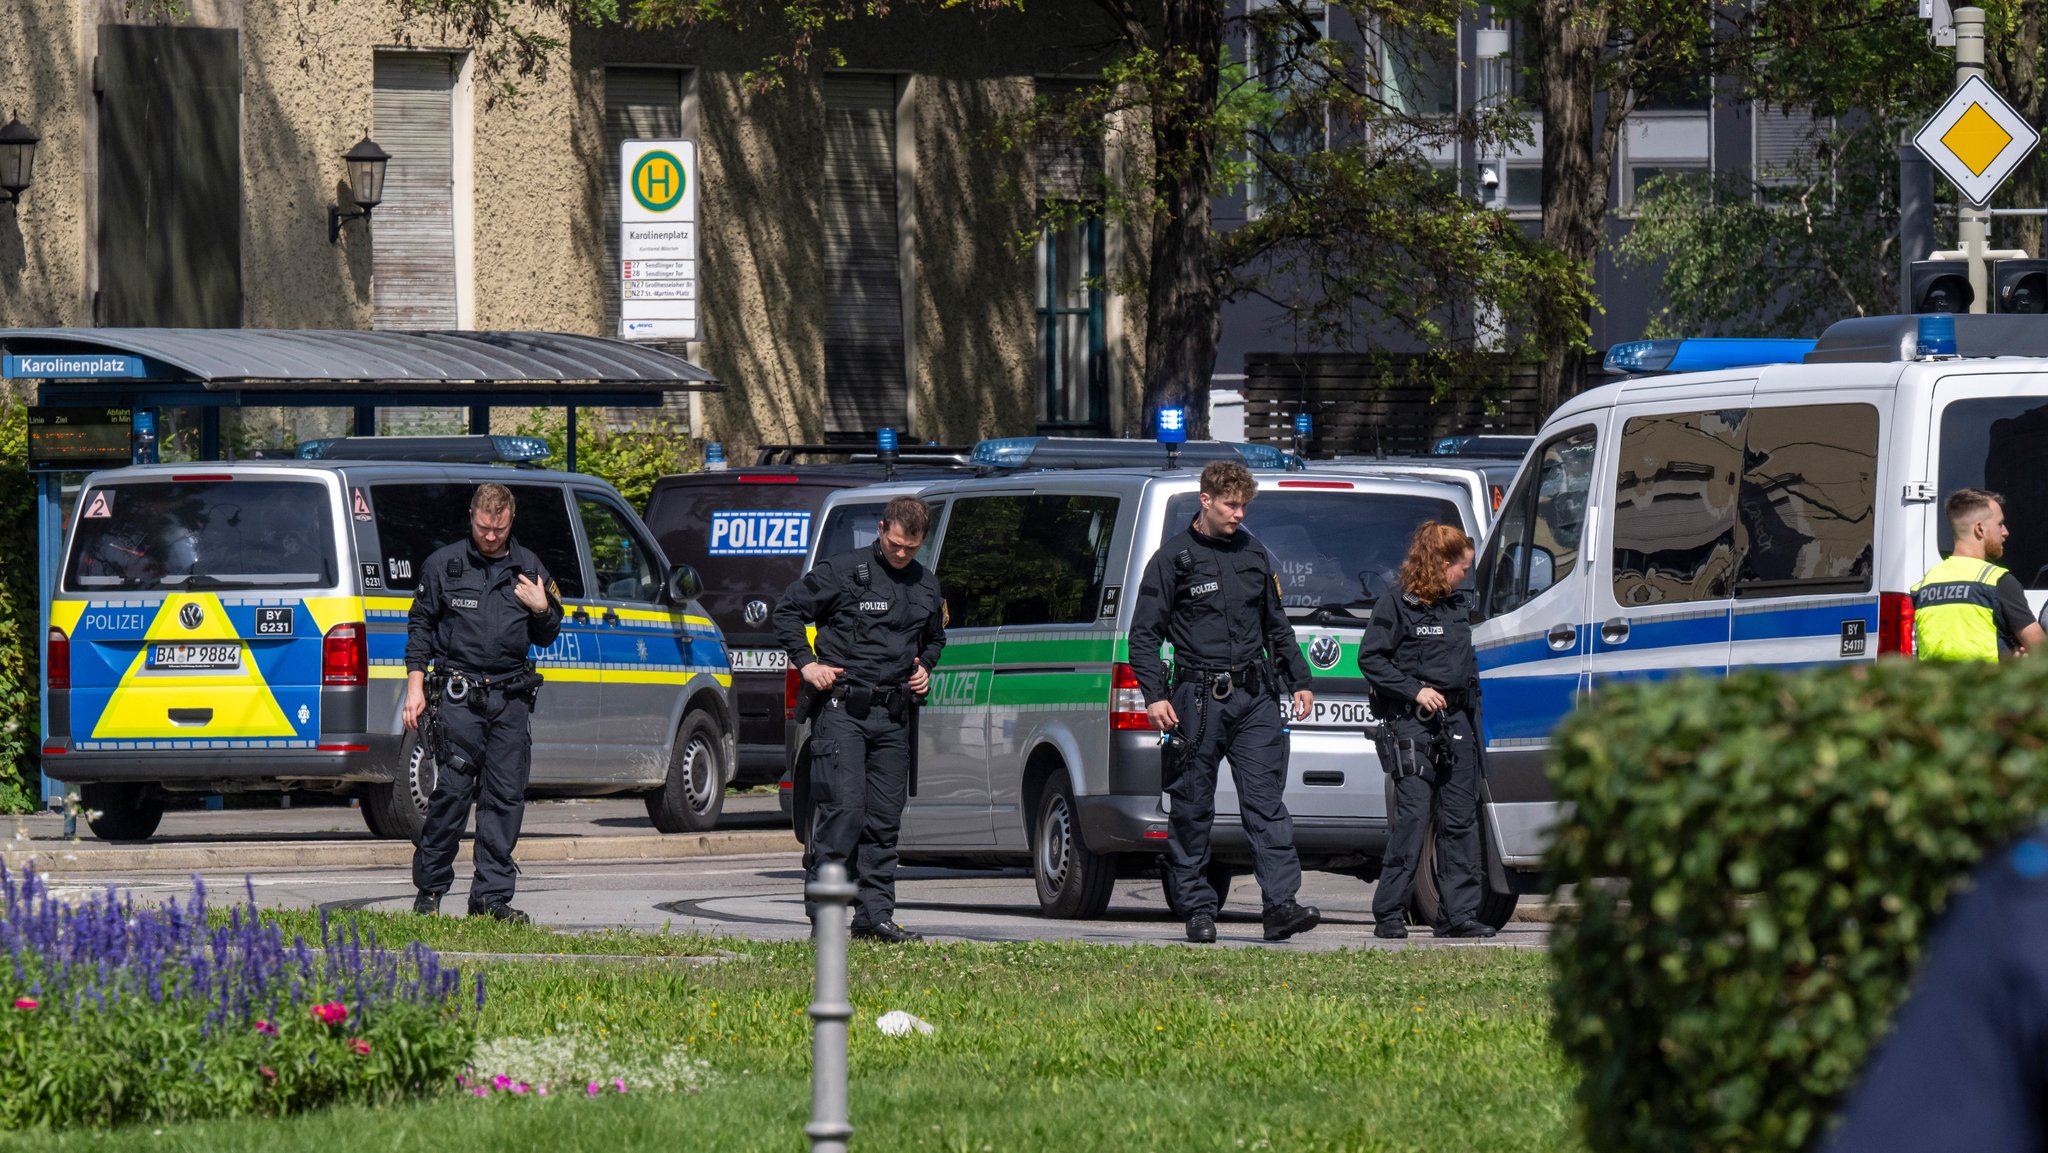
x: 1203, y: 589
x: 747, y: 532
x: 1429, y: 630
x: 874, y: 606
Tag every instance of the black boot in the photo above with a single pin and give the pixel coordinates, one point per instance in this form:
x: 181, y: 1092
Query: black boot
x: 1474, y: 929
x: 427, y: 904
x: 888, y: 931
x: 500, y: 911
x: 1202, y: 929
x: 1393, y: 928
x: 1288, y: 918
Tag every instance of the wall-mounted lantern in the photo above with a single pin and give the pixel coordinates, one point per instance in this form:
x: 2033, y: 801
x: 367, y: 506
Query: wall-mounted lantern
x: 366, y: 164
x: 17, y: 158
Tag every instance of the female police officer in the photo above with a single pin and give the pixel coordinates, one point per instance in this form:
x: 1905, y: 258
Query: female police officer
x: 1417, y: 658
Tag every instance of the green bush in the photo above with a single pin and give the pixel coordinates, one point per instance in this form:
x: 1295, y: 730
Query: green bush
x: 1759, y: 861
x: 631, y: 460
x: 20, y: 652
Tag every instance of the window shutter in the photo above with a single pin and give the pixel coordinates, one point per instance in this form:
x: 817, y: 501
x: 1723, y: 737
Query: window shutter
x: 866, y: 386
x: 1785, y: 140
x: 413, y: 230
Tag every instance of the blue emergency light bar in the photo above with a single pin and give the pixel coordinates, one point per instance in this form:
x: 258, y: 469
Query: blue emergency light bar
x: 1702, y: 354
x: 439, y: 449
x: 1173, y: 425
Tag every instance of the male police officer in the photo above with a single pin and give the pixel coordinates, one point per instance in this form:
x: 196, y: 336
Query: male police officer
x: 1211, y: 591
x: 479, y: 605
x: 1967, y: 608
x: 881, y: 625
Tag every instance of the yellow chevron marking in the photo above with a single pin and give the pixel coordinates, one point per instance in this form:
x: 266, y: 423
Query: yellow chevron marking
x: 330, y: 611
x: 241, y: 703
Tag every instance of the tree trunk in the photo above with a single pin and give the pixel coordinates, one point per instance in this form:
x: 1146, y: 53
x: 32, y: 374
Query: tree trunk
x: 1571, y: 35
x: 1183, y: 303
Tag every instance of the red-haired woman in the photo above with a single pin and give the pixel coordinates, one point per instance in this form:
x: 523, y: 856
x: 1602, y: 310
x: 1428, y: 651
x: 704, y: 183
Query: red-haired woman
x: 1417, y: 657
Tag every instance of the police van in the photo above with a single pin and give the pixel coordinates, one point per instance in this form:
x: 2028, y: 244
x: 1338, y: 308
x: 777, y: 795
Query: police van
x: 1034, y: 747
x: 242, y: 627
x: 1751, y: 516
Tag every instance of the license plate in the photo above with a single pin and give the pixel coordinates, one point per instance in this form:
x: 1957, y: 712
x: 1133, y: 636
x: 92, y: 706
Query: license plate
x: 759, y: 660
x: 1337, y: 713
x: 195, y: 656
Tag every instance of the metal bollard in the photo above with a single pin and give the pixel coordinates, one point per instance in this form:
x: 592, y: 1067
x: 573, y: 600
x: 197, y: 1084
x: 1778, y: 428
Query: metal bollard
x: 830, y: 1010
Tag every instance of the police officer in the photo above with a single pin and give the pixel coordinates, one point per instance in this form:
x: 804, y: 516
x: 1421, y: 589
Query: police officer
x: 881, y: 625
x: 1962, y: 1066
x: 1967, y: 608
x: 480, y: 604
x: 1424, y: 678
x: 1210, y: 589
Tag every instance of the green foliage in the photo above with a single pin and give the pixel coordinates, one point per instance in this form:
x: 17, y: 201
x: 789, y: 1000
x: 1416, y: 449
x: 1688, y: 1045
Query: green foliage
x: 1758, y: 861
x: 630, y: 459
x: 1818, y: 242
x: 20, y: 652
x: 506, y: 35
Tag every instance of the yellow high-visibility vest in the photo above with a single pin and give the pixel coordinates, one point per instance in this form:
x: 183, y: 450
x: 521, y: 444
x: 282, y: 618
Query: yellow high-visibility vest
x: 1955, y: 611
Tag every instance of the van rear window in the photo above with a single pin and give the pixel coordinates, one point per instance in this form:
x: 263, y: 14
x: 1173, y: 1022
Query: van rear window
x: 1998, y: 443
x: 144, y: 536
x: 1334, y: 552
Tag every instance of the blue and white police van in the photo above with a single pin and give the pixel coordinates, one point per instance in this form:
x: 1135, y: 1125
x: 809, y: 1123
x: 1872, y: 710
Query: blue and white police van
x: 1744, y: 515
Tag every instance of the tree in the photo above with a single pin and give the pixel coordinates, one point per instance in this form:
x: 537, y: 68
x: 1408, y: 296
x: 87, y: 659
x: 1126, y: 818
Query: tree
x: 1384, y: 244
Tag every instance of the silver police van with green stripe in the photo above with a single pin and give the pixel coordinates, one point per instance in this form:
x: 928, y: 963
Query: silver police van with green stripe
x: 1034, y: 746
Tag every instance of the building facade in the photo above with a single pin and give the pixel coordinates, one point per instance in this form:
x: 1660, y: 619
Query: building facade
x: 865, y: 257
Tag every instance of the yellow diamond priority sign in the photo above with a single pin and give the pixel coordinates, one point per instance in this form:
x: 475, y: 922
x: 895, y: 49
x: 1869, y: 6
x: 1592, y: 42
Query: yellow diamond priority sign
x: 1977, y: 139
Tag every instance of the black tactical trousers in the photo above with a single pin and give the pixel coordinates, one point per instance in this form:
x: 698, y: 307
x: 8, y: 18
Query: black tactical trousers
x: 860, y: 781
x: 1247, y: 728
x: 1450, y: 778
x: 490, y: 756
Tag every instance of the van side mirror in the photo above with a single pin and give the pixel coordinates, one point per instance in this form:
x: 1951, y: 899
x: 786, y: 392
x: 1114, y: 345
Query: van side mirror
x: 684, y: 584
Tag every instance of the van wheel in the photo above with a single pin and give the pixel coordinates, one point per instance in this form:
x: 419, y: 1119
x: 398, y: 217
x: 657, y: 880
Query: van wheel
x: 121, y: 812
x: 1495, y: 909
x: 694, y: 794
x: 1219, y: 875
x: 1074, y: 882
x: 398, y: 810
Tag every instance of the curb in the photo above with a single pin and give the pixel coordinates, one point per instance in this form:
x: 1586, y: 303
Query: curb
x: 68, y: 858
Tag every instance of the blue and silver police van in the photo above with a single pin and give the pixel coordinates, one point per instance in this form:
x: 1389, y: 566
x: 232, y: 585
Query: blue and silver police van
x: 1744, y: 515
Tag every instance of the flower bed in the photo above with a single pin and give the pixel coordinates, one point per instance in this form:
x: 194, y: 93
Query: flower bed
x: 122, y: 1013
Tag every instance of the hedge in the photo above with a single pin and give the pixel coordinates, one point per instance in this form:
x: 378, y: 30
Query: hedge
x: 1758, y: 862
x: 20, y: 652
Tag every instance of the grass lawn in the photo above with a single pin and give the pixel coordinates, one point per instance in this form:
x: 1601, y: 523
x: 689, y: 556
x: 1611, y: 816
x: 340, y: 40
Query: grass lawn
x: 1047, y: 1046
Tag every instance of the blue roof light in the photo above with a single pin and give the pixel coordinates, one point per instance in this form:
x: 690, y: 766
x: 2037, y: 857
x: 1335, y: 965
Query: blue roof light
x: 1703, y: 354
x: 1938, y: 334
x: 1005, y: 451
x: 517, y: 448
x: 1263, y: 455
x: 1172, y: 425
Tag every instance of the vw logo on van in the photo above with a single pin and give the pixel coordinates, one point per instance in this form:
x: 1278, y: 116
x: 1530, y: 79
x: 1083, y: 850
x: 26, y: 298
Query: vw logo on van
x: 191, y: 615
x: 756, y: 612
x: 1324, y: 651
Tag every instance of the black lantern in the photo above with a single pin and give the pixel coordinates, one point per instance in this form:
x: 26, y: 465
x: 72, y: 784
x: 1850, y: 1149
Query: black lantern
x: 17, y: 157
x: 366, y: 164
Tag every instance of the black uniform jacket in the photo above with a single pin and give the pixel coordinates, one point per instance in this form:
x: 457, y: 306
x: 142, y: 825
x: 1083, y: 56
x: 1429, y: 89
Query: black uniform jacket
x: 873, y: 620
x: 1410, y: 643
x: 472, y: 622
x: 1220, y: 607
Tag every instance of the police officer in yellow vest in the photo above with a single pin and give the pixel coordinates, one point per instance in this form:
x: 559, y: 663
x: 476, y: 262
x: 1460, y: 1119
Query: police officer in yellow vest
x: 1967, y: 608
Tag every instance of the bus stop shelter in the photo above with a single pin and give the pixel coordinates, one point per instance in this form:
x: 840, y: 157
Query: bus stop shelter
x: 139, y: 371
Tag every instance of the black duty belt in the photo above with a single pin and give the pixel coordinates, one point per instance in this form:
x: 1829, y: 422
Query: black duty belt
x: 1222, y: 682
x: 461, y: 682
x: 1454, y: 702
x: 858, y: 700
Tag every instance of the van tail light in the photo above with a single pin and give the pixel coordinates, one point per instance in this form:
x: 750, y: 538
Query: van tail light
x: 1126, y: 700
x: 57, y: 662
x: 345, y: 656
x: 1895, y: 624
x: 792, y: 682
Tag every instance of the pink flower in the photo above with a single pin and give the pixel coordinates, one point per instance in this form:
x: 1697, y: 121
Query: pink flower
x: 27, y: 1003
x: 520, y: 1088
x: 501, y: 1081
x: 542, y: 1090
x: 360, y: 1046
x: 619, y: 1083
x: 267, y: 1071
x: 266, y: 1028
x: 592, y: 1090
x: 332, y: 1013
x: 483, y: 1090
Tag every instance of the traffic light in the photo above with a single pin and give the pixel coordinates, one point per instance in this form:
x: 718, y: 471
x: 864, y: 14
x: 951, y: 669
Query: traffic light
x: 1941, y: 286
x: 2020, y: 286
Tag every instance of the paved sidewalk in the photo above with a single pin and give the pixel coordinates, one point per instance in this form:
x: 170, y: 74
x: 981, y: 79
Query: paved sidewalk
x: 307, y: 837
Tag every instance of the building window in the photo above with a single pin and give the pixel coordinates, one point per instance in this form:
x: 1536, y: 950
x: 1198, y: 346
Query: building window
x: 1639, y: 177
x: 1524, y: 187
x: 866, y: 376
x: 1285, y: 63
x: 1418, y: 73
x: 1073, y: 355
x: 1789, y: 161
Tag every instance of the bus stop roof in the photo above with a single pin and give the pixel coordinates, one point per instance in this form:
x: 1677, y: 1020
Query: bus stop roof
x: 272, y: 361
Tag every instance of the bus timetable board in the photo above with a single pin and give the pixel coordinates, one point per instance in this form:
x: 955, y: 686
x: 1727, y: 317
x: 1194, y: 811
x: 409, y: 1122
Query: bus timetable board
x: 78, y: 439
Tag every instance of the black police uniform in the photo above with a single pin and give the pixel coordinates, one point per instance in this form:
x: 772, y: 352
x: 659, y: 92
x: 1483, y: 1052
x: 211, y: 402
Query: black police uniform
x: 1966, y: 1063
x: 873, y: 621
x: 1410, y: 644
x: 467, y: 620
x: 1216, y: 599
